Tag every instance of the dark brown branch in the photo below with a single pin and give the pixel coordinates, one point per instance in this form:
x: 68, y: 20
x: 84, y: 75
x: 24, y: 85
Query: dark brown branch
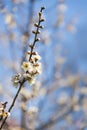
x: 37, y: 30
x: 21, y: 84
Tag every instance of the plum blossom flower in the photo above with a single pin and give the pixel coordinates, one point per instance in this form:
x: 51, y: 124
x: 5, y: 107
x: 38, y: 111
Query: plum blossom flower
x: 27, y: 66
x: 3, y: 113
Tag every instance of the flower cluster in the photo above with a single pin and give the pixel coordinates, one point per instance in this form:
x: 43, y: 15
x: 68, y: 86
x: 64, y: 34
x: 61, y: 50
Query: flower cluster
x: 31, y: 66
x: 3, y: 113
x: 17, y: 79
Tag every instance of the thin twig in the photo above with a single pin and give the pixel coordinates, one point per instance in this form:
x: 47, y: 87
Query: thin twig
x: 21, y: 84
x: 42, y: 8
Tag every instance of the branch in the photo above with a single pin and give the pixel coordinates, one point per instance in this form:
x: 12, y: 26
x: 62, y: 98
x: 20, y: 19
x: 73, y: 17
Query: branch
x: 37, y: 32
x: 21, y: 84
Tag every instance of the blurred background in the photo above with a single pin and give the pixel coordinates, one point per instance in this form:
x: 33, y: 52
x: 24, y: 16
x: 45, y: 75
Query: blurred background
x: 58, y: 100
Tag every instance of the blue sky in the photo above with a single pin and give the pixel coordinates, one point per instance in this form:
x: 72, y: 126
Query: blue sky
x: 75, y: 44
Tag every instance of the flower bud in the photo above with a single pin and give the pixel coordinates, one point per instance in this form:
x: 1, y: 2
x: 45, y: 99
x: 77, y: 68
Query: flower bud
x: 42, y: 20
x: 40, y: 13
x: 36, y: 24
x: 37, y: 39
